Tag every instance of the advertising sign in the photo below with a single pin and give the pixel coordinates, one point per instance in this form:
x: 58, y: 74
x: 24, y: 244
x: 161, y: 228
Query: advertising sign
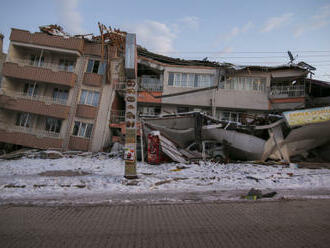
x: 307, y: 116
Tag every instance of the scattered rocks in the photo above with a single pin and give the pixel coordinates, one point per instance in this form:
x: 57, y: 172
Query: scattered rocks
x: 132, y: 183
x: 50, y: 154
x: 162, y: 182
x: 15, y: 186
x: 63, y: 173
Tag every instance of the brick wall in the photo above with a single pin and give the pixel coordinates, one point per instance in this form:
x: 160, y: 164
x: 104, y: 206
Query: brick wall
x: 29, y: 140
x: 39, y: 74
x: 86, y: 111
x: 78, y: 143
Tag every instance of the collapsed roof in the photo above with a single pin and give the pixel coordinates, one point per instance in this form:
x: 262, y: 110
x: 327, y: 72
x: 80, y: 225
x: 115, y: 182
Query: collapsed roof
x: 117, y: 36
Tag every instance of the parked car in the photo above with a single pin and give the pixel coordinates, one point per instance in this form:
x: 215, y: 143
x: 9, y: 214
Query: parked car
x: 211, y: 149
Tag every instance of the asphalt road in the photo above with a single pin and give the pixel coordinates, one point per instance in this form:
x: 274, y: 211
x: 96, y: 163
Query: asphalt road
x: 294, y: 223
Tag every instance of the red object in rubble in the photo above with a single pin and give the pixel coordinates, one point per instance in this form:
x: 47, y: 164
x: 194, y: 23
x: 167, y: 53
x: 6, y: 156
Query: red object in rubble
x: 154, y: 151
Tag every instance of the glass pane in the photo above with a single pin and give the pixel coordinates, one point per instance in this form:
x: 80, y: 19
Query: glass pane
x: 177, y: 79
x: 96, y: 99
x: 170, y: 78
x: 89, y: 130
x: 191, y: 79
x: 89, y: 97
x: 82, y: 129
x: 83, y: 96
x: 196, y: 81
x: 184, y: 80
x: 58, y: 126
x: 90, y: 65
x: 102, y: 68
x: 76, y: 128
x: 96, y: 66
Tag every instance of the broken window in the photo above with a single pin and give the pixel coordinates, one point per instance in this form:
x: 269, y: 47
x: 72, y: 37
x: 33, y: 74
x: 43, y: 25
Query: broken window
x: 30, y: 89
x: 89, y: 97
x: 182, y: 109
x: 152, y: 110
x: 35, y: 60
x: 95, y: 66
x: 246, y: 83
x: 82, y: 129
x: 190, y: 80
x: 53, y: 125
x: 24, y: 120
x: 66, y: 65
x: 60, y: 94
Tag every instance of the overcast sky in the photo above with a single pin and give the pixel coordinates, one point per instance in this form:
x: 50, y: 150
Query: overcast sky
x: 240, y: 32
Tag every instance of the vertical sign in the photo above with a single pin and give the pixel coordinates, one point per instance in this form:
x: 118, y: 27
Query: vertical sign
x: 131, y: 107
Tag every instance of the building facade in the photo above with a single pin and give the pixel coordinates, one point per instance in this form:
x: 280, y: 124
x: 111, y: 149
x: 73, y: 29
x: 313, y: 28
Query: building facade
x: 68, y: 93
x: 55, y: 92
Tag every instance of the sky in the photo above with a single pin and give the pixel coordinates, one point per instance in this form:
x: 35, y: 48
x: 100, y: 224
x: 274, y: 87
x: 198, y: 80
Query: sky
x: 236, y: 31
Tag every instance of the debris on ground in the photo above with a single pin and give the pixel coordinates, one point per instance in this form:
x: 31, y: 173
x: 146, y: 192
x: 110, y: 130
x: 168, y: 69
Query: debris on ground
x: 63, y: 173
x: 255, y: 194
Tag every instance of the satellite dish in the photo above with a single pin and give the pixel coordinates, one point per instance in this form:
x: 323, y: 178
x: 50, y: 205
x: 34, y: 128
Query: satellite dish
x: 291, y: 57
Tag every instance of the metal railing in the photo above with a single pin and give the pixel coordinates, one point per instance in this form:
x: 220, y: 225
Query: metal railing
x: 152, y: 84
x: 287, y: 91
x: 47, y: 65
x: 39, y: 133
x: 46, y: 99
x: 117, y: 116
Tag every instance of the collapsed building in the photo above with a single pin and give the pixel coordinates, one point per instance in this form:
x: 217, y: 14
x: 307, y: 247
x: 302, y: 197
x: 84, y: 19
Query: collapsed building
x: 68, y: 92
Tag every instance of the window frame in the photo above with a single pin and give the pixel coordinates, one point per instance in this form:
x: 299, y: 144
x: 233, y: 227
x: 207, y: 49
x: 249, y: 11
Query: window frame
x: 87, y: 97
x: 82, y: 129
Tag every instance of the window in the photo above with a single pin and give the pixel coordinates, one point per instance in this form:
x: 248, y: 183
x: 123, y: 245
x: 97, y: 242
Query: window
x: 82, y: 129
x: 229, y: 116
x: 190, y: 80
x: 53, y: 125
x: 89, y: 97
x: 245, y: 83
x: 24, y: 120
x: 150, y: 110
x: 66, y: 65
x: 34, y: 60
x: 182, y: 109
x: 30, y: 89
x: 60, y: 94
x: 95, y: 66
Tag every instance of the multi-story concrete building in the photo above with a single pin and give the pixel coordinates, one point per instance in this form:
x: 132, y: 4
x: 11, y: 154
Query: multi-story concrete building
x: 55, y: 92
x: 228, y: 92
x: 68, y: 93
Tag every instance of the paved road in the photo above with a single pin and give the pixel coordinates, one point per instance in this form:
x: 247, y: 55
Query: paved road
x: 300, y: 223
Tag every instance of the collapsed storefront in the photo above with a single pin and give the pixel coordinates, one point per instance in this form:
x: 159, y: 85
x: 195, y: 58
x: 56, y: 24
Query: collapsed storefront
x: 280, y: 137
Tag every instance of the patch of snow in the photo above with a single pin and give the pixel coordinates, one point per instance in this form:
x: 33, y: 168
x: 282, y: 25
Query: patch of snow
x: 106, y: 177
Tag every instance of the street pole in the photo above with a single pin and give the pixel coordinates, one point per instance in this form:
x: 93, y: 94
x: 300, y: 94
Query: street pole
x: 131, y: 106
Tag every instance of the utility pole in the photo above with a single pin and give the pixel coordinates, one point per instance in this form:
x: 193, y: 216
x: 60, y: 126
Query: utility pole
x: 131, y: 106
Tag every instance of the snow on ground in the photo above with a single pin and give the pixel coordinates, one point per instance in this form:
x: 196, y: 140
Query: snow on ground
x: 20, y: 179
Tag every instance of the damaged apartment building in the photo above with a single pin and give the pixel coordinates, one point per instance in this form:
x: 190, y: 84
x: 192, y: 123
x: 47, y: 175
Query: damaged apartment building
x: 68, y: 92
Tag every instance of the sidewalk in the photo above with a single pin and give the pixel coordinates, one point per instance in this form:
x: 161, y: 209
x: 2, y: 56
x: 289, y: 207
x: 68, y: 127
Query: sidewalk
x: 302, y: 223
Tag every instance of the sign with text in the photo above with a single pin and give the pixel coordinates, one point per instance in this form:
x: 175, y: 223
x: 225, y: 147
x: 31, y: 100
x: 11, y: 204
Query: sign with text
x: 307, y: 116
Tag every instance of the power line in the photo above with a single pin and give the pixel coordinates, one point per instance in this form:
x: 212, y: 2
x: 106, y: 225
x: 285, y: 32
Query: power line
x: 242, y: 52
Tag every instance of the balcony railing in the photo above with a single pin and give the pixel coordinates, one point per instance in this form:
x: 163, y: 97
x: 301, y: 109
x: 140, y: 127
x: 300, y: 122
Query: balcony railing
x: 151, y: 84
x: 46, y: 99
x: 39, y: 133
x: 287, y: 91
x: 117, y: 116
x: 47, y: 65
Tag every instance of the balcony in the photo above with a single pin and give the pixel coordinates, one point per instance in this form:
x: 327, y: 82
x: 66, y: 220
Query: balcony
x: 287, y: 91
x: 92, y: 79
x: 86, y: 111
x: 21, y: 69
x: 78, y: 143
x: 29, y: 137
x: 43, y: 39
x: 117, y: 116
x: 150, y: 84
x: 40, y: 105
